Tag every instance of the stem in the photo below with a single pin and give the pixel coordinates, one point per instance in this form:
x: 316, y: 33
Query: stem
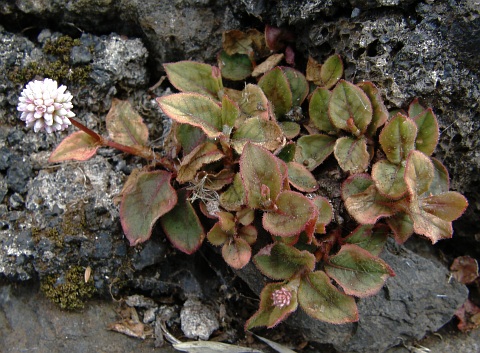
x: 140, y: 151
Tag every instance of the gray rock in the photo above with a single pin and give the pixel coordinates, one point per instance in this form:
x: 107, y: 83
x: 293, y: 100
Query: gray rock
x: 198, y: 321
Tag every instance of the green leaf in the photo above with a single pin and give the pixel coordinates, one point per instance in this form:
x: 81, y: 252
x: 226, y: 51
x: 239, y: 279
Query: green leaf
x: 441, y: 180
x: 419, y: 172
x: 300, y: 178
x: 248, y: 233
x: 318, y: 110
x: 233, y: 198
x: 290, y: 129
x: 265, y: 133
x: 189, y: 136
x: 331, y: 71
x: 230, y: 113
x: 369, y: 237
x: 349, y: 108
x: 281, y: 261
x: 216, y: 236
x: 287, y: 153
x: 298, y: 85
x: 151, y: 193
x: 402, y: 226
x: 351, y: 154
x: 78, y: 146
x: 194, y: 109
x: 429, y: 225
x: 448, y: 206
x: 189, y: 76
x: 204, y: 154
x: 415, y: 108
x: 323, y: 301
x: 357, y: 271
x: 125, y: 125
x: 235, y: 67
x: 259, y: 169
x: 428, y: 133
x: 312, y: 150
x: 398, y: 138
x: 226, y: 220
x: 325, y: 214
x: 237, y: 253
x: 182, y: 226
x: 380, y: 112
x: 363, y: 201
x: 389, y: 179
x: 254, y: 103
x: 268, y: 314
x: 294, y: 213
x: 277, y: 89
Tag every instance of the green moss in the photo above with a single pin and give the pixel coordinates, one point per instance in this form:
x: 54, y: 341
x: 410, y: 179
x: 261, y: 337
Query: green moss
x: 69, y: 290
x: 59, y: 69
x: 50, y: 233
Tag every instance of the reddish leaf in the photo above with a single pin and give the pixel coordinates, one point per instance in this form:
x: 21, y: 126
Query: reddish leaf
x: 357, y: 271
x: 276, y: 38
x: 419, y: 172
x: 125, y: 125
x: 323, y: 301
x: 313, y: 71
x: 389, y: 179
x: 204, y: 154
x: 236, y: 253
x: 325, y: 214
x: 465, y: 269
x: 402, y: 226
x: 147, y: 198
x: 301, y: 178
x: 447, y: 206
x: 469, y: 316
x: 351, y: 154
x: 415, y: 108
x: 272, y: 61
x: 237, y: 42
x: 265, y: 133
x: 78, y: 146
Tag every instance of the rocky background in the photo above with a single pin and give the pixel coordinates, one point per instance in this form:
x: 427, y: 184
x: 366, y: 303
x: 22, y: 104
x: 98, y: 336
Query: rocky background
x: 57, y: 221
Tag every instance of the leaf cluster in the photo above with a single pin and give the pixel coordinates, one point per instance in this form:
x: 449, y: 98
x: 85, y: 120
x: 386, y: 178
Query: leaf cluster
x: 241, y: 164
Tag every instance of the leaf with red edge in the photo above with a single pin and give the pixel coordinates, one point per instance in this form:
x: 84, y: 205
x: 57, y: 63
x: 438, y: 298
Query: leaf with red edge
x: 204, y: 154
x: 363, y: 201
x: 235, y: 67
x: 258, y: 168
x: 149, y: 197
x: 389, y: 179
x: 351, y: 154
x: 125, y: 125
x: 78, y: 146
x: 281, y: 261
x: 465, y: 269
x: 331, y: 71
x: 300, y: 178
x: 237, y: 42
x: 428, y: 133
x: 269, y: 63
x: 469, y: 316
x: 401, y: 225
x: 398, y: 138
x: 265, y: 133
x: 277, y: 89
x: 233, y: 198
x: 294, y: 213
x: 415, y: 108
x: 290, y: 129
x: 312, y: 72
x: 216, y: 235
x: 268, y: 314
x: 253, y: 103
x: 236, y: 253
x: 230, y: 113
x: 190, y: 76
x: 448, y: 206
x: 194, y: 109
x: 248, y: 233
x: 357, y: 271
x: 318, y: 110
x: 312, y: 150
x: 441, y: 180
x: 320, y: 299
x: 380, y: 112
x: 325, y: 214
x: 369, y: 237
x: 277, y: 38
x: 188, y: 136
x: 349, y: 108
x: 419, y: 173
x: 429, y: 225
x: 298, y: 85
x: 182, y: 226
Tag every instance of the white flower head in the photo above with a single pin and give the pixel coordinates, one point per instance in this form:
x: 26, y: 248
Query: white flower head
x: 281, y: 297
x: 45, y: 106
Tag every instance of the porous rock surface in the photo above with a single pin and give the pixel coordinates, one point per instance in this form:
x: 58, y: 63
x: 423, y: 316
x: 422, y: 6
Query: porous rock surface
x: 426, y: 49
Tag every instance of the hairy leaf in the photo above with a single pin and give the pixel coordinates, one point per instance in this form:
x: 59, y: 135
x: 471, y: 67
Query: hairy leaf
x: 261, y: 132
x: 351, y: 154
x: 318, y: 109
x: 441, y: 180
x: 204, y: 154
x: 419, y: 172
x: 369, y: 237
x: 298, y: 85
x: 401, y: 225
x: 189, y: 136
x: 429, y: 225
x: 301, y: 178
x: 281, y: 261
x: 233, y: 198
x: 182, y: 226
x: 294, y: 213
x: 78, y: 146
x: 258, y: 169
x: 149, y: 197
x: 323, y: 301
x: 349, y: 108
x: 415, y: 108
x: 331, y: 71
x: 265, y: 66
x: 277, y: 89
x: 230, y: 113
x: 312, y: 73
x: 194, y: 109
x: 216, y: 235
x: 380, y: 112
x: 312, y: 150
x: 428, y: 134
x: 447, y: 206
x: 254, y: 103
x: 325, y: 214
x: 357, y: 271
x: 125, y: 125
x: 290, y: 129
x: 287, y: 153
x: 389, y: 179
x: 236, y: 253
x: 235, y: 67
x: 190, y: 76
x: 398, y: 138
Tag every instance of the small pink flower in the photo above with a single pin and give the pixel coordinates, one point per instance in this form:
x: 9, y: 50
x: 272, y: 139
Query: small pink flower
x: 281, y: 297
x: 45, y: 106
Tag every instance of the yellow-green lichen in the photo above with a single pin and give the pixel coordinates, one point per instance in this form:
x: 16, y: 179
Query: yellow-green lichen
x: 68, y: 290
x: 59, y: 69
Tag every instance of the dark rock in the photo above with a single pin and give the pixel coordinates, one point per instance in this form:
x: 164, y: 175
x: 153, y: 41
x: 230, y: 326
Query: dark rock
x: 80, y: 55
x: 19, y: 174
x: 5, y: 154
x: 152, y: 253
